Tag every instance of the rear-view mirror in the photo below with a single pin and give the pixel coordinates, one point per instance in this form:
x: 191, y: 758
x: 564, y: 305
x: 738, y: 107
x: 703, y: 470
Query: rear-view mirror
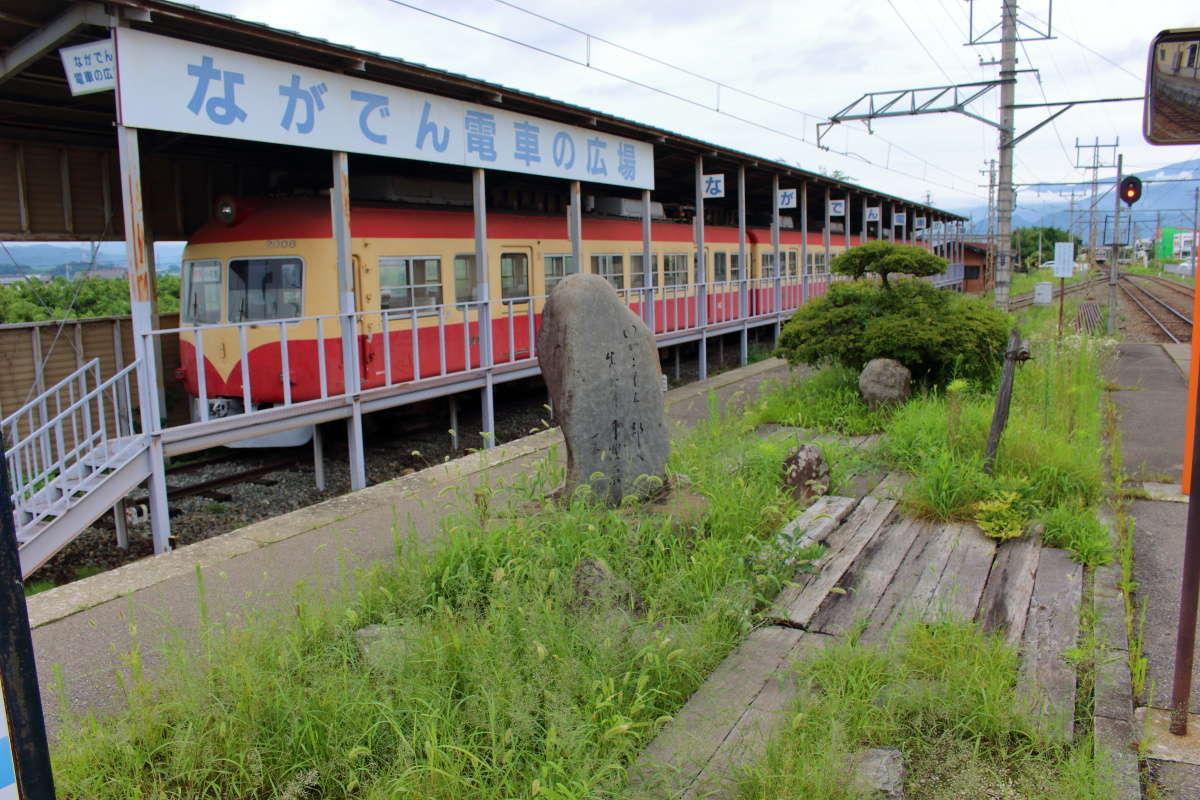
x: 1172, y: 106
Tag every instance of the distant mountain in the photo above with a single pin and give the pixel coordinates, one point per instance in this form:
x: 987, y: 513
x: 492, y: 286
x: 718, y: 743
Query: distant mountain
x: 45, y: 256
x: 1172, y: 202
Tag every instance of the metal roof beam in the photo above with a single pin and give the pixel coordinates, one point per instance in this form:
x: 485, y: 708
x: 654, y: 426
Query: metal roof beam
x: 47, y: 37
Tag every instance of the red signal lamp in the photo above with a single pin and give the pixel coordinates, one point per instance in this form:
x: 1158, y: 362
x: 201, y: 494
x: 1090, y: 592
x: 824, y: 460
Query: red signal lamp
x: 1131, y: 189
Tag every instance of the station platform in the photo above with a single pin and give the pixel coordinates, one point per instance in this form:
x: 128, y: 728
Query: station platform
x: 86, y: 627
x: 1150, y: 392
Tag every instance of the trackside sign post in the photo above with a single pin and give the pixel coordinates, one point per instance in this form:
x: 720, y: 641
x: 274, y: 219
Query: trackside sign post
x: 24, y: 755
x: 172, y: 85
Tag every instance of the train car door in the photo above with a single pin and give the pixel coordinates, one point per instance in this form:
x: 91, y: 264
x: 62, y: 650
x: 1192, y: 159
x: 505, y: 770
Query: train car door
x: 370, y: 326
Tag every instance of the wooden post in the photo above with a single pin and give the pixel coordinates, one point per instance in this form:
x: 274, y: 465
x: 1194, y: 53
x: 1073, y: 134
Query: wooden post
x: 1013, y: 353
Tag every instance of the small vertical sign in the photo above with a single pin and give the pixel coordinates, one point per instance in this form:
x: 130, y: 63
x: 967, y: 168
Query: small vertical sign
x: 898, y: 219
x: 713, y: 186
x: 874, y: 213
x: 90, y: 68
x: 787, y: 198
x: 837, y: 208
x: 1064, y: 259
x: 8, y: 771
x: 919, y: 224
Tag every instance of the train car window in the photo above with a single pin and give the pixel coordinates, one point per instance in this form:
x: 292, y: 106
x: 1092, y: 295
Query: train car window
x: 791, y: 262
x: 768, y: 265
x: 406, y: 282
x: 720, y: 270
x: 201, y: 291
x: 675, y: 269
x: 735, y: 261
x: 611, y: 267
x: 465, y: 277
x: 514, y: 275
x: 557, y: 267
x: 637, y: 274
x: 265, y: 288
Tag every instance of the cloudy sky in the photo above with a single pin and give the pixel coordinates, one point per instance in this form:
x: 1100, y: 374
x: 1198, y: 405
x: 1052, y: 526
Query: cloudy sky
x: 803, y: 59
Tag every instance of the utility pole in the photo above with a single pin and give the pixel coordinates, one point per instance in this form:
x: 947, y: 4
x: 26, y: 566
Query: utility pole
x: 1096, y: 164
x: 1004, y: 199
x: 1071, y: 219
x: 1114, y: 255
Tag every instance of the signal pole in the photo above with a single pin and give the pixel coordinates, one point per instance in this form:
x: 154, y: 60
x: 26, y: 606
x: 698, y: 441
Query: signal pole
x: 1114, y: 255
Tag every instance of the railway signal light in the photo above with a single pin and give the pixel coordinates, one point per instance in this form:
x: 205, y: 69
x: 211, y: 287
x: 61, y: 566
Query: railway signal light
x: 1131, y: 189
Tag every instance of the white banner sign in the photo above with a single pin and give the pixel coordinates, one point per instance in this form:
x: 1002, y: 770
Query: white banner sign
x: 874, y: 213
x: 787, y: 198
x: 919, y: 224
x: 8, y: 772
x: 898, y: 219
x: 173, y: 85
x: 1064, y: 259
x: 90, y: 67
x: 837, y: 208
x: 713, y: 186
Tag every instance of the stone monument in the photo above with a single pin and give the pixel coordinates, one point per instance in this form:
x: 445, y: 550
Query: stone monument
x: 600, y: 364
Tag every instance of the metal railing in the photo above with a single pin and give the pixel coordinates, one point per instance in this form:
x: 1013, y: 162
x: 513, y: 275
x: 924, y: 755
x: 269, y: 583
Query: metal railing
x: 419, y: 344
x: 60, y: 440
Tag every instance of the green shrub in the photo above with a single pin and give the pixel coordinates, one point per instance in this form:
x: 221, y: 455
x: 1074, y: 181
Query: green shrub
x: 938, y: 335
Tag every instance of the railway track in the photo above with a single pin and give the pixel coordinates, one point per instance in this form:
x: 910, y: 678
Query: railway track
x: 1026, y: 300
x: 1174, y: 323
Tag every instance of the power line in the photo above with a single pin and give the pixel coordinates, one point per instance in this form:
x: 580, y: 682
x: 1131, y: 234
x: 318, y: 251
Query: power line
x: 936, y: 63
x: 676, y: 96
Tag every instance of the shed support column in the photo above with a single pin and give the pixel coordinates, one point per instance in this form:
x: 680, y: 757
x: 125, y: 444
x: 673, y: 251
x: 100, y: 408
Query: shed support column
x: 483, y: 294
x: 318, y: 459
x: 743, y: 271
x: 863, y: 238
x: 339, y: 203
x: 649, y: 268
x: 776, y: 267
x: 701, y: 274
x: 142, y: 302
x: 804, y: 242
x: 575, y: 225
x: 825, y: 231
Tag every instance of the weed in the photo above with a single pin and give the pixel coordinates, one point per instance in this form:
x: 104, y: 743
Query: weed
x: 1000, y: 516
x: 942, y: 692
x: 825, y: 401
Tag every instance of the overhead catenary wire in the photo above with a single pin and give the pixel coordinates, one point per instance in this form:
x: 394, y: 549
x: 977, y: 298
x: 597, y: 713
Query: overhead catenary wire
x: 675, y: 96
x: 936, y: 63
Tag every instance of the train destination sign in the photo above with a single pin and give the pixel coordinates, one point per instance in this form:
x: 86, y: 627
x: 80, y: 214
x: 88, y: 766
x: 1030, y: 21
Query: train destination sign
x: 172, y: 85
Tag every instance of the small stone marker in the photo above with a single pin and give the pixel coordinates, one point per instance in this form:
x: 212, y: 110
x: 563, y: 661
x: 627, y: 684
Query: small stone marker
x: 879, y: 773
x: 600, y: 364
x: 806, y: 472
x: 884, y: 382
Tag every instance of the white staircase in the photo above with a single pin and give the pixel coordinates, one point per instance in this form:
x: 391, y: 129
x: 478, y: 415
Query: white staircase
x: 72, y: 454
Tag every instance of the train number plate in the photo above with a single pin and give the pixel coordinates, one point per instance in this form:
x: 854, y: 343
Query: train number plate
x: 281, y: 244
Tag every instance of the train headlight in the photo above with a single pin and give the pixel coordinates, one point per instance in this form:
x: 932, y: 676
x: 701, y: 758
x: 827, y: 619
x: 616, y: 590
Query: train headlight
x: 226, y: 210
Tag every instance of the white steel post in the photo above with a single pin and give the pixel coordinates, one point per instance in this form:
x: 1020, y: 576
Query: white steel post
x: 701, y: 274
x: 743, y: 270
x: 142, y: 301
x: 649, y: 268
x: 863, y: 238
x: 825, y: 230
x: 575, y: 226
x: 483, y: 294
x: 804, y: 241
x: 318, y: 447
x: 1114, y: 255
x: 339, y: 204
x: 775, y: 253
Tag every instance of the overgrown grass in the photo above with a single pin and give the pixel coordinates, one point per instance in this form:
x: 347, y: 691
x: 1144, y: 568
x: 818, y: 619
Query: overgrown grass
x: 945, y: 695
x: 828, y: 400
x: 1049, y: 466
x: 509, y: 688
x: 1023, y: 282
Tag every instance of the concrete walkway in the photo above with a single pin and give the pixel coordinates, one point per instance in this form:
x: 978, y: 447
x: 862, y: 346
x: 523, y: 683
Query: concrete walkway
x: 85, y: 627
x: 1152, y: 400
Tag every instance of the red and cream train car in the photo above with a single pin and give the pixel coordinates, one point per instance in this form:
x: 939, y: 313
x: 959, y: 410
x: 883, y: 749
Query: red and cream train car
x: 269, y: 274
